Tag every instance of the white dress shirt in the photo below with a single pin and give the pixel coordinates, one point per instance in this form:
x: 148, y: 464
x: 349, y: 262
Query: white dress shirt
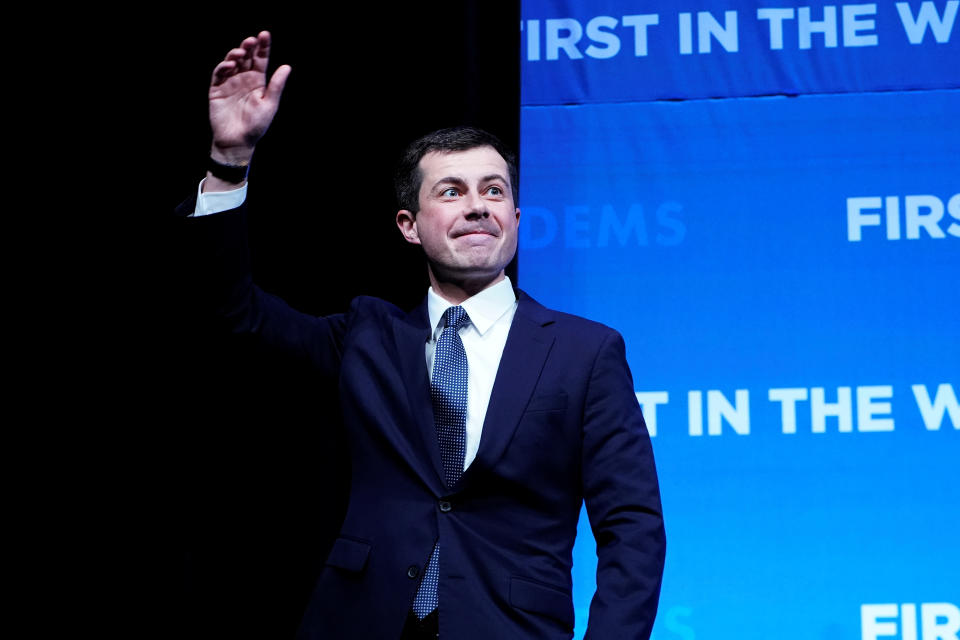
x: 491, y: 313
x: 216, y: 201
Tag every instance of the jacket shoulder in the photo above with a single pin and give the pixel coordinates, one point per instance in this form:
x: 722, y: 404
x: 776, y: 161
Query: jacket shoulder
x: 369, y: 305
x: 565, y: 323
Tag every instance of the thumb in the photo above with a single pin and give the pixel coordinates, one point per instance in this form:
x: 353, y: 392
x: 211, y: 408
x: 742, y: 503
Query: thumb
x: 277, y: 82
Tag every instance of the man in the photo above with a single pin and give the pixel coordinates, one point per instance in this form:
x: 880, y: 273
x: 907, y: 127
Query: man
x: 478, y: 423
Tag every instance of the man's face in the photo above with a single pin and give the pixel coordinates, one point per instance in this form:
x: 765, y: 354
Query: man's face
x: 467, y: 223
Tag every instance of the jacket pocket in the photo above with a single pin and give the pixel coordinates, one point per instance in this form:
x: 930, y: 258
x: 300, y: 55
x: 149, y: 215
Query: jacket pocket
x: 547, y: 402
x: 349, y: 554
x: 537, y: 597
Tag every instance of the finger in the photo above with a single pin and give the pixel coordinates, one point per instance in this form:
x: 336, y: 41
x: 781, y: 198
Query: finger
x: 263, y: 40
x: 235, y: 54
x: 223, y: 71
x: 277, y: 82
x: 261, y: 54
x: 238, y: 57
x: 242, y: 55
x: 249, y: 45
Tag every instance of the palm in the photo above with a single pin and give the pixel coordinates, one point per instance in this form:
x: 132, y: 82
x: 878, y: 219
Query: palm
x: 239, y: 113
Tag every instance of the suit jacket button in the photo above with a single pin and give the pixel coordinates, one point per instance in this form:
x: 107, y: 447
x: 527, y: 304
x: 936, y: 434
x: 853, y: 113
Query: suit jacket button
x: 413, y: 571
x: 445, y: 506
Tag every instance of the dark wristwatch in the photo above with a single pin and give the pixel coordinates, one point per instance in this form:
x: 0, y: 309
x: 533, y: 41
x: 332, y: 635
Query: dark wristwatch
x: 235, y: 173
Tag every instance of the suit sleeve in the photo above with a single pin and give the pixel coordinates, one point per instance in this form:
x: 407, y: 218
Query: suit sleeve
x: 215, y: 248
x: 623, y: 501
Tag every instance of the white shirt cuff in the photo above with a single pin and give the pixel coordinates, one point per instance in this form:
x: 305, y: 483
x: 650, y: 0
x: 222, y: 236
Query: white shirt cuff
x: 217, y: 201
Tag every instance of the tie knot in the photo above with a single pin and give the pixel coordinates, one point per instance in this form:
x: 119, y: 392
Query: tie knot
x: 455, y: 317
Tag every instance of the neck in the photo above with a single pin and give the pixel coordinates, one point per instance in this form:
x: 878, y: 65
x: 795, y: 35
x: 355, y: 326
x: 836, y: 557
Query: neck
x: 456, y: 292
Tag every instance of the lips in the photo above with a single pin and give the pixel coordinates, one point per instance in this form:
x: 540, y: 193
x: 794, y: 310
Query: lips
x: 476, y: 231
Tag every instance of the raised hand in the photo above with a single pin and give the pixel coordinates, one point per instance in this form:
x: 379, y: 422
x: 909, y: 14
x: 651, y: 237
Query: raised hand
x: 242, y: 103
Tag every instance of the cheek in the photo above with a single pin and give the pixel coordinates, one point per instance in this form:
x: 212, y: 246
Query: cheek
x: 510, y: 229
x: 428, y: 235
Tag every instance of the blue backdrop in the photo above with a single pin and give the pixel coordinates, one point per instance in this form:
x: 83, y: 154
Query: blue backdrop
x: 764, y: 198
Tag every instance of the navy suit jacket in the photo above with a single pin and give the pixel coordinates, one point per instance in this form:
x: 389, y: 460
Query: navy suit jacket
x: 563, y: 426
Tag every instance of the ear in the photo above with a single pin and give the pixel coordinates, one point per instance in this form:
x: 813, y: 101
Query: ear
x: 518, y: 215
x: 407, y: 223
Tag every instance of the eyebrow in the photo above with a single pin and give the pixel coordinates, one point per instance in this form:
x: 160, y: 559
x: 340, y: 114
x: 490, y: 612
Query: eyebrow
x: 449, y: 180
x: 494, y: 176
x: 460, y: 181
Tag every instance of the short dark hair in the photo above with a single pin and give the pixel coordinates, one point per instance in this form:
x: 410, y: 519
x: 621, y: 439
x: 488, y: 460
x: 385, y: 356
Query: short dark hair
x: 408, y: 177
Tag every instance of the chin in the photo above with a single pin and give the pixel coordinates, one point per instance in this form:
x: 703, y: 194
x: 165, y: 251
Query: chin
x: 468, y: 271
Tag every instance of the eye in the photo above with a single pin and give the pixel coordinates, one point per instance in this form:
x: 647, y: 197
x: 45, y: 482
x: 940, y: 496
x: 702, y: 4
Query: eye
x: 495, y: 191
x: 449, y: 192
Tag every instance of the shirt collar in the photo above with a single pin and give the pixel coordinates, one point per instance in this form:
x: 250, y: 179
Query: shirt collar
x: 484, y: 309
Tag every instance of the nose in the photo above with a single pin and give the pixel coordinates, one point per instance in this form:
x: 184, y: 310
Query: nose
x: 475, y: 206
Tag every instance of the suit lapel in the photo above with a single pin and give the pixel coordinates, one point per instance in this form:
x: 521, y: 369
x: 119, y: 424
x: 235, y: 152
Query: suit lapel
x: 524, y: 355
x: 410, y: 335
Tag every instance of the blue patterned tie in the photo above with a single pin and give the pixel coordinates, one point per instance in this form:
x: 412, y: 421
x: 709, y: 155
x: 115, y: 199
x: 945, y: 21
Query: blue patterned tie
x: 448, y: 390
